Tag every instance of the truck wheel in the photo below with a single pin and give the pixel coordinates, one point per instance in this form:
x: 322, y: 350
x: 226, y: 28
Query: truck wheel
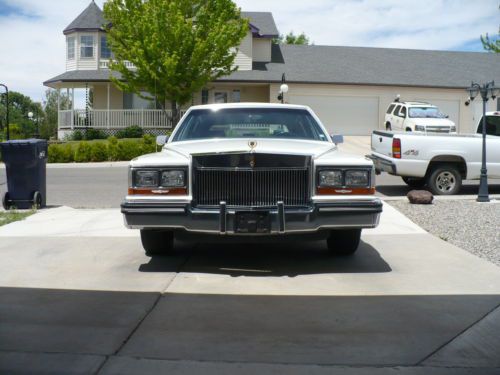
x: 388, y: 126
x: 343, y: 241
x: 408, y: 129
x: 415, y: 183
x: 37, y: 200
x: 444, y: 180
x: 6, y: 201
x: 157, y: 242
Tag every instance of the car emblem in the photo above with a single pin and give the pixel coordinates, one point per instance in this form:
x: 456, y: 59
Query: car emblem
x: 252, y: 161
x: 252, y: 144
x: 343, y: 191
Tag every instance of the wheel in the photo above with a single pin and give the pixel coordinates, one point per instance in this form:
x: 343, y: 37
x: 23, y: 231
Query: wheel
x: 343, y: 241
x: 388, y: 126
x: 37, y: 200
x: 6, y: 201
x: 408, y: 130
x: 415, y: 183
x: 157, y: 242
x: 444, y: 180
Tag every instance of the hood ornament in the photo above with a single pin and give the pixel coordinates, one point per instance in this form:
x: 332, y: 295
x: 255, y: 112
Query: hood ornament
x: 252, y: 145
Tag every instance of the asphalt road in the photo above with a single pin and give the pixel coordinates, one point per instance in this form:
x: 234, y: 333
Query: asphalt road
x: 105, y: 187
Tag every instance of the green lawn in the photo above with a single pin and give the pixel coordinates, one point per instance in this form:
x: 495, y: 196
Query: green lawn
x: 7, y: 217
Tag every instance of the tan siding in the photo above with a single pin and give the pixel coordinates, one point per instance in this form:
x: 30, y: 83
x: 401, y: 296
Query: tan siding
x: 101, y: 97
x: 261, y: 51
x: 243, y: 58
x: 258, y: 94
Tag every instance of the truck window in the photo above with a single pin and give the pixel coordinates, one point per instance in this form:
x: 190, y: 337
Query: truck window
x: 402, y: 112
x: 492, y: 126
x: 396, y: 111
x: 389, y: 110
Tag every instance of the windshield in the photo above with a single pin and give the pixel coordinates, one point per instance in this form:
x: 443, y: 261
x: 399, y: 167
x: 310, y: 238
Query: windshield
x: 250, y: 123
x: 425, y: 112
x: 492, y: 125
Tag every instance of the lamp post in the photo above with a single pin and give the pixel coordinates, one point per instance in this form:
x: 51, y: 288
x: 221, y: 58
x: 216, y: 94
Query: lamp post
x: 7, y: 107
x: 487, y: 91
x: 30, y: 115
x: 283, y: 89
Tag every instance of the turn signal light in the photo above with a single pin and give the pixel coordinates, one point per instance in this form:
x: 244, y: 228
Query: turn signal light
x: 396, y: 148
x: 142, y: 191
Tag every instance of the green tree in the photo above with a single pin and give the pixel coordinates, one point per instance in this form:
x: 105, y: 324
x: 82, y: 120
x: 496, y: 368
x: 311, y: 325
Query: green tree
x: 176, y: 46
x: 19, y: 107
x: 48, y: 128
x: 291, y: 38
x: 491, y: 44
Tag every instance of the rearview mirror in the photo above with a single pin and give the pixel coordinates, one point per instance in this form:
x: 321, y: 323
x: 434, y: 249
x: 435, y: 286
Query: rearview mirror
x: 337, y: 138
x: 161, y: 140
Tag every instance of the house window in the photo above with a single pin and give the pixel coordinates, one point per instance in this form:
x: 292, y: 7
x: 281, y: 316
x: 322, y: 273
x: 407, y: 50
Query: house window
x: 71, y: 47
x: 220, y: 97
x: 87, y: 46
x: 236, y: 96
x: 204, y: 96
x: 134, y: 101
x: 105, y: 51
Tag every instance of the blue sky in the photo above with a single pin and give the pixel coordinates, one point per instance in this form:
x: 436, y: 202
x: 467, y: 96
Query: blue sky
x: 33, y: 49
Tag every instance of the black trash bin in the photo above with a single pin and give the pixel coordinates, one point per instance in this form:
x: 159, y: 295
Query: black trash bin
x: 25, y: 161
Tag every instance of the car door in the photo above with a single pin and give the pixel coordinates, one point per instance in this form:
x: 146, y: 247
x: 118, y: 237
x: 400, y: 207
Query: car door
x: 396, y: 120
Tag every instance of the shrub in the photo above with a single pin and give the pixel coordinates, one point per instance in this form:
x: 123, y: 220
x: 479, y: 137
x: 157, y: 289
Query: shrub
x: 113, y: 149
x: 148, y: 144
x: 76, y: 136
x: 82, y: 153
x: 54, y: 153
x: 91, y: 134
x: 130, y: 132
x: 98, y: 151
x: 128, y: 150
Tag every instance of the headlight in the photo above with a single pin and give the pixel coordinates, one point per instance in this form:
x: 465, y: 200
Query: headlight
x: 357, y: 178
x: 330, y: 178
x: 146, y: 179
x: 419, y: 128
x: 172, y: 179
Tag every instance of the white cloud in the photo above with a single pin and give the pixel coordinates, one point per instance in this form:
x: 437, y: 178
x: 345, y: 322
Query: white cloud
x: 32, y: 48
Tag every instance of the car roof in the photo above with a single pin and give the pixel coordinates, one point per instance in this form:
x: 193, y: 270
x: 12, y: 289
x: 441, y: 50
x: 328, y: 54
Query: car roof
x: 417, y: 104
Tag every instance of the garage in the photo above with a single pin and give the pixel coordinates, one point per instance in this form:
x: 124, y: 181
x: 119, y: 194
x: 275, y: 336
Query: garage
x: 347, y: 115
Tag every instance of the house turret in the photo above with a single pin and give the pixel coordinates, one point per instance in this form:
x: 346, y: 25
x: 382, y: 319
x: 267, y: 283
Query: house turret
x: 86, y: 43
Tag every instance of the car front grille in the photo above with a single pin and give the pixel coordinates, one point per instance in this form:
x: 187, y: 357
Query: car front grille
x: 438, y: 129
x: 262, y: 187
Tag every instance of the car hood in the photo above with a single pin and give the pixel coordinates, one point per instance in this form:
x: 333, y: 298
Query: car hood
x: 433, y: 121
x: 263, y: 146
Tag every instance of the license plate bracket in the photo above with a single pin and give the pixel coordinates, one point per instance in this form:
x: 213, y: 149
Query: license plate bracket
x: 252, y: 222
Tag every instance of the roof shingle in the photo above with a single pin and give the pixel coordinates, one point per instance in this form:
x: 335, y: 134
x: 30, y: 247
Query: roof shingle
x: 90, y: 19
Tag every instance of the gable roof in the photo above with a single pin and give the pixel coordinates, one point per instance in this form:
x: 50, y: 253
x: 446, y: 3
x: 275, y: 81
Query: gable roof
x: 263, y: 22
x: 91, y: 19
x: 373, y: 66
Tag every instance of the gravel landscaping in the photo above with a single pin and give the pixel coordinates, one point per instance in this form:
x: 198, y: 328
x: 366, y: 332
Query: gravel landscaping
x: 472, y: 226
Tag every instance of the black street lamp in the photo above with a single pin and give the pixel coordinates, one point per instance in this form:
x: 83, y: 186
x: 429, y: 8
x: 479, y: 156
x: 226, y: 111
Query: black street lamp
x: 30, y: 115
x: 283, y: 89
x: 487, y: 91
x: 7, y: 107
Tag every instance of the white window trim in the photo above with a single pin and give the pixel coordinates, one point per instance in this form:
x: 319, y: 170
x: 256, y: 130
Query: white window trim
x: 82, y: 46
x: 74, y: 47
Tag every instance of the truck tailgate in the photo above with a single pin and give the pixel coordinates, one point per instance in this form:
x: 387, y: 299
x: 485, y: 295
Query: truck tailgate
x: 381, y: 143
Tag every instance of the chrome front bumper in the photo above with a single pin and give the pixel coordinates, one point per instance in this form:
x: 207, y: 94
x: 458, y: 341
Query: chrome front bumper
x: 283, y: 220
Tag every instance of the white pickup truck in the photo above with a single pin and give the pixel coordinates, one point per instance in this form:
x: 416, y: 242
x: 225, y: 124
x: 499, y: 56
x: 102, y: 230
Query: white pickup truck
x: 439, y: 161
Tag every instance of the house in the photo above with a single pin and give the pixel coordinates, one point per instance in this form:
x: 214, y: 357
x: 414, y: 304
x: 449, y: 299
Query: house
x: 349, y: 88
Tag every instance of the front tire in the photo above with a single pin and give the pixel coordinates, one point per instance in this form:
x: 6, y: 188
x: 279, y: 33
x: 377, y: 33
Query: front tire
x: 444, y: 180
x: 388, y: 126
x: 157, y: 242
x: 415, y: 183
x: 343, y: 241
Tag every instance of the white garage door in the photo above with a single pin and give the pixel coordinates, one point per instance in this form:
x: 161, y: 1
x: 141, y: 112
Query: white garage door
x: 342, y: 114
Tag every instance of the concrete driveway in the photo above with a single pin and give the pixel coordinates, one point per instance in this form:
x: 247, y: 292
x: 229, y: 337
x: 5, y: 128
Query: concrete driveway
x: 77, y: 296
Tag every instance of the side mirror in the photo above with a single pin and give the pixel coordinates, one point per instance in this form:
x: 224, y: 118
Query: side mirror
x: 161, y: 140
x: 337, y: 138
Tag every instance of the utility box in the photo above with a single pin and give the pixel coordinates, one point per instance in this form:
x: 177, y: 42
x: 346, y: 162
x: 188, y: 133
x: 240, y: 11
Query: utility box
x: 26, y: 162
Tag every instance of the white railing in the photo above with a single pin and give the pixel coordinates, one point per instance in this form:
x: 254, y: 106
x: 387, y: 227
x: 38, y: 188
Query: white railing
x: 115, y: 118
x: 104, y: 64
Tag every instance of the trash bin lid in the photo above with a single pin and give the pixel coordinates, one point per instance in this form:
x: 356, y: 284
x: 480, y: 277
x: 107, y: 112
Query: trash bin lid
x: 19, y: 142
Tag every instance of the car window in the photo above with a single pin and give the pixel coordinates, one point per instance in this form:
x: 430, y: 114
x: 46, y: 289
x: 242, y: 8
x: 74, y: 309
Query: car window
x: 396, y: 111
x: 492, y: 126
x: 250, y: 123
x: 402, y: 112
x: 391, y: 107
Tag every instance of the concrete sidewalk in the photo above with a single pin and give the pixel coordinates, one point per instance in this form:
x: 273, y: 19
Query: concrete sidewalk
x: 78, y: 295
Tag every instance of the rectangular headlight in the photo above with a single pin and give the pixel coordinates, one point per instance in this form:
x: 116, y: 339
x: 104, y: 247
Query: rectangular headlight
x: 357, y: 178
x: 146, y: 179
x: 173, y: 178
x: 330, y: 178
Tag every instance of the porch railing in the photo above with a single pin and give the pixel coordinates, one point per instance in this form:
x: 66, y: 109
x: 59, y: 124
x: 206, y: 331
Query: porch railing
x: 115, y: 118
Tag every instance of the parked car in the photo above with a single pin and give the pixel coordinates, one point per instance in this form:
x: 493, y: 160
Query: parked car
x: 439, y: 161
x: 251, y: 170
x: 417, y: 116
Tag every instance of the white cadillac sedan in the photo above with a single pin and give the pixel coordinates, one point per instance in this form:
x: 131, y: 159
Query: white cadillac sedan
x: 251, y: 172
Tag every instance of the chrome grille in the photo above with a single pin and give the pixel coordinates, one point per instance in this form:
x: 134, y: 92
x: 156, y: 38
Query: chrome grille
x: 438, y: 129
x: 259, y: 187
